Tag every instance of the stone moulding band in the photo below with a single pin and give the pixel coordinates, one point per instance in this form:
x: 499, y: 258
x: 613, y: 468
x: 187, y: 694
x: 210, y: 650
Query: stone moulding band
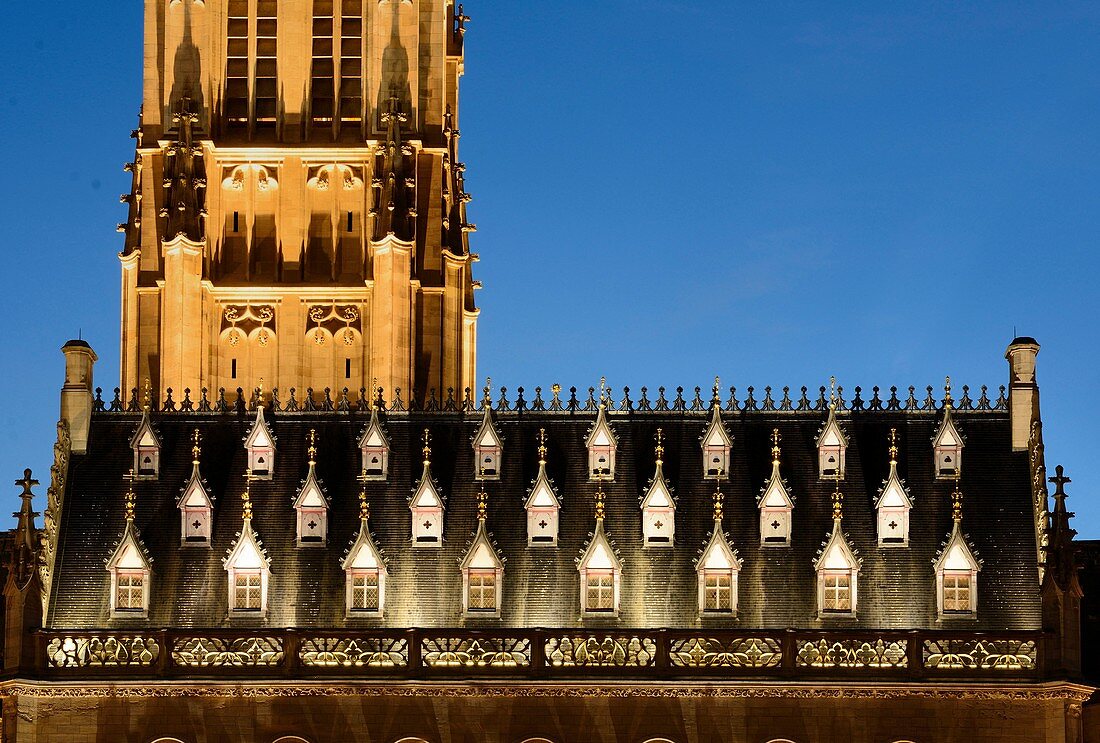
x: 1067, y: 692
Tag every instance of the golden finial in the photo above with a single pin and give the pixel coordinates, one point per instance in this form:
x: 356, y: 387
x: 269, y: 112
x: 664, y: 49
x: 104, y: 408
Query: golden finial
x: 957, y: 501
x: 776, y: 438
x: 542, y: 446
x: 660, y: 446
x: 556, y: 389
x: 603, y: 390
x: 599, y: 497
x: 130, y: 497
x: 893, y: 446
x: 487, y: 395
x: 482, y: 503
x: 947, y: 393
x: 427, y: 446
x: 717, y: 386
x: 838, y: 503
x: 718, y: 499
x: 364, y: 507
x: 260, y: 392
x: 246, y: 496
x: 148, y: 399
x: 312, y: 451
x: 376, y: 391
x: 832, y: 393
x: 196, y: 448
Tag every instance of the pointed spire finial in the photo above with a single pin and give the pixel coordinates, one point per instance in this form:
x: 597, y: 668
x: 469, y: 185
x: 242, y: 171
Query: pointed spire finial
x: 196, y: 446
x: 246, y: 496
x: 482, y: 502
x: 660, y: 446
x: 957, y: 502
x: 427, y: 447
x: 776, y: 438
x: 599, y: 497
x: 718, y: 500
x: 364, y: 507
x: 603, y: 391
x: 1059, y: 481
x: 893, y: 446
x: 130, y: 496
x: 832, y: 393
x: 312, y: 451
x: 29, y: 482
x: 542, y: 446
x: 716, y: 400
x: 947, y: 393
x: 487, y: 395
x: 838, y: 503
x: 260, y: 393
x: 147, y: 403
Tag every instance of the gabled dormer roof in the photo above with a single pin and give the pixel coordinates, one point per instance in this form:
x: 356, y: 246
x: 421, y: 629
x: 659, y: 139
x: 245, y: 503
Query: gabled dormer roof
x: 129, y: 553
x: 836, y: 554
x: 375, y: 435
x: 194, y: 493
x: 426, y: 494
x: 775, y: 494
x: 600, y: 553
x: 658, y: 495
x: 716, y: 434
x: 718, y: 554
x: 260, y: 436
x: 364, y: 553
x: 311, y: 494
x: 601, y: 434
x: 247, y: 552
x: 947, y: 434
x: 487, y: 436
x: 542, y: 493
x: 957, y: 554
x: 831, y: 433
x: 893, y: 493
x: 481, y: 553
x: 145, y: 436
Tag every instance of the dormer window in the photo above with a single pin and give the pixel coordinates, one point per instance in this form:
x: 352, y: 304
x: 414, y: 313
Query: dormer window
x: 658, y: 507
x: 893, y: 505
x: 831, y: 447
x: 426, y: 507
x: 716, y: 445
x: 260, y: 445
x: 375, y: 448
x: 542, y: 505
x: 947, y: 447
x: 146, y: 446
x: 365, y: 576
x: 482, y: 577
x: 196, y: 511
x: 837, y: 573
x: 311, y: 505
x: 130, y: 573
x: 248, y: 571
x: 602, y: 444
x: 601, y: 574
x: 776, y: 504
x: 488, y: 448
x: 957, y: 578
x: 718, y: 569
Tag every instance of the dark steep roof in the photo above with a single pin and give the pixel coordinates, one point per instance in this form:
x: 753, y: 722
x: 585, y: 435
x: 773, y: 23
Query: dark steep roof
x: 659, y: 585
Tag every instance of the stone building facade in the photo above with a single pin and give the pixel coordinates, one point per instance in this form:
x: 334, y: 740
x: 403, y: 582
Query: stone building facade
x: 307, y: 527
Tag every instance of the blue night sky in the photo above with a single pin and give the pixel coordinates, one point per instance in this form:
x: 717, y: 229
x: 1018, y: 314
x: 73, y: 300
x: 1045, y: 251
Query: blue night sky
x: 666, y: 190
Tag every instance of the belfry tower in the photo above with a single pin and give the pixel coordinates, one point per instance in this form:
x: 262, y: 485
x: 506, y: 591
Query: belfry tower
x: 298, y: 210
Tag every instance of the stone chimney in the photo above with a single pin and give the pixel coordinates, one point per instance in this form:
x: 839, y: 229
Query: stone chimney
x: 77, y: 396
x: 1023, y: 392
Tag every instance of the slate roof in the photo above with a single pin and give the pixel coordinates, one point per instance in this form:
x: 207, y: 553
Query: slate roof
x: 659, y: 585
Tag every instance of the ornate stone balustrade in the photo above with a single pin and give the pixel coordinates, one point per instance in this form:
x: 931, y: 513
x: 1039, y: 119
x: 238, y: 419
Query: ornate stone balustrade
x: 542, y: 654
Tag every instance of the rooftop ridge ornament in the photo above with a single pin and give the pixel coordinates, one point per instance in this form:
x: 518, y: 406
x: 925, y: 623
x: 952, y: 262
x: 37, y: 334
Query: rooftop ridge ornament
x: 542, y: 446
x: 893, y: 446
x: 719, y: 498
x: 947, y: 393
x: 427, y: 447
x: 364, y: 507
x: 957, y: 501
x: 487, y: 394
x: 130, y: 496
x: 600, y: 511
x: 838, y: 503
x: 482, y: 504
x: 246, y: 496
x: 196, y: 446
x: 660, y: 450
x: 147, y: 399
x: 776, y: 438
x: 312, y: 450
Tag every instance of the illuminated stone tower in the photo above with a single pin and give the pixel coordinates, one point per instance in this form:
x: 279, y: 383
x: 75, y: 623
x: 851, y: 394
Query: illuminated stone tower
x: 298, y: 210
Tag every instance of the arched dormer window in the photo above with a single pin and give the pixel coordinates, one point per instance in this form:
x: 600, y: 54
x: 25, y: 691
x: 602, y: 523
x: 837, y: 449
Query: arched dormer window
x: 146, y: 446
x: 260, y: 445
x: 658, y: 506
x: 776, y: 504
x: 542, y: 505
x: 375, y: 448
x: 947, y: 447
x: 365, y: 571
x: 716, y: 443
x: 426, y: 505
x: 602, y: 445
x: 311, y: 504
x: 195, y: 505
x: 832, y: 445
x: 488, y: 449
x: 893, y: 504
